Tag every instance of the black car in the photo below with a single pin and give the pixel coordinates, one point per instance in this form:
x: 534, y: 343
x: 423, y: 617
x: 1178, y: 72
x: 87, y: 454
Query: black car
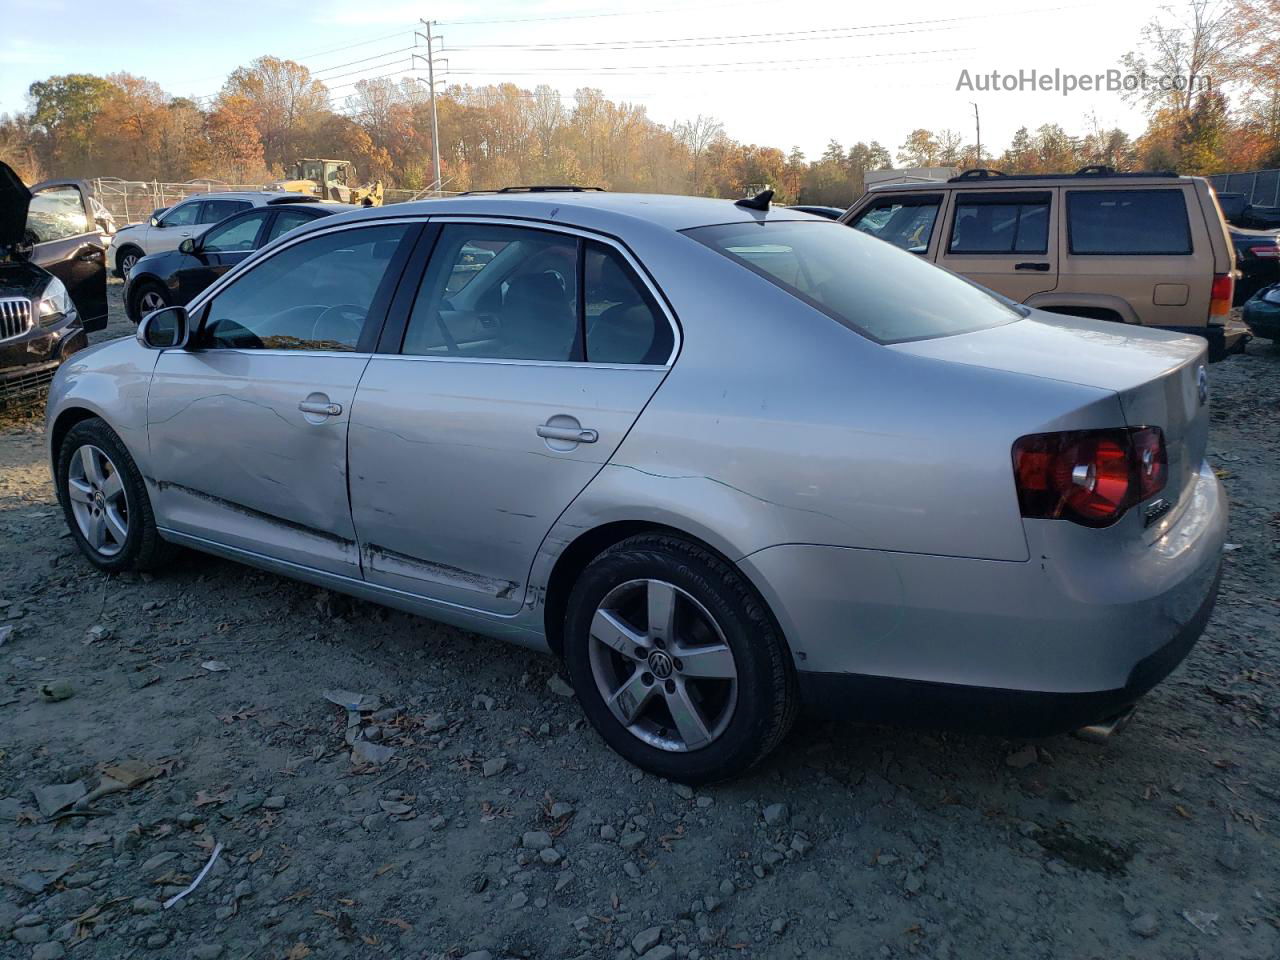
x: 1262, y: 314
x: 53, y: 278
x: 1257, y: 259
x: 831, y: 213
x: 1239, y: 212
x: 174, y: 277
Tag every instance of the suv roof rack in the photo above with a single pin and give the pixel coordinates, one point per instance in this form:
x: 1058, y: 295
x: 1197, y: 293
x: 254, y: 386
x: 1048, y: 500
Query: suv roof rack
x: 537, y: 188
x: 1093, y: 170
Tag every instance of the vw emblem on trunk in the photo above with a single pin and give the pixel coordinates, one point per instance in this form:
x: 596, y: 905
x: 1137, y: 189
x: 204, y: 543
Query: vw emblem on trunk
x: 1202, y: 384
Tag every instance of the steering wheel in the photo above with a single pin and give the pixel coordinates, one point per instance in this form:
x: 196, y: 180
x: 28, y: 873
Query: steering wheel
x: 342, y: 323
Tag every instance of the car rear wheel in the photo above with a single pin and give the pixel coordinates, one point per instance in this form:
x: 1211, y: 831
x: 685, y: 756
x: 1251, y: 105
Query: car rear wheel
x: 105, y: 501
x: 149, y: 297
x: 676, y: 661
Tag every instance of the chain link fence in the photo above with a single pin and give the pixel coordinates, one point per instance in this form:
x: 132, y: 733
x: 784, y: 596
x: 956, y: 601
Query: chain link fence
x: 1260, y: 187
x: 131, y: 201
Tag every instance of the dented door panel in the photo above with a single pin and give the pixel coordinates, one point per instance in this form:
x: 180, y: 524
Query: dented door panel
x: 452, y: 486
x: 234, y: 459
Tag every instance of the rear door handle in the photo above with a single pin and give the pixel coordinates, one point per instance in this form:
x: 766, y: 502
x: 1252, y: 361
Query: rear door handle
x: 568, y: 434
x: 320, y: 408
x: 1042, y: 267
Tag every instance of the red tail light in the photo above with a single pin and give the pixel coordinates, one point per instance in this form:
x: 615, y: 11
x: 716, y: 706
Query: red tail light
x: 1224, y: 285
x: 1268, y: 252
x: 1088, y: 476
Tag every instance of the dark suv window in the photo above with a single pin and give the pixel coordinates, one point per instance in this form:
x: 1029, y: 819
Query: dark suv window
x: 1127, y: 222
x: 906, y: 221
x: 1000, y: 223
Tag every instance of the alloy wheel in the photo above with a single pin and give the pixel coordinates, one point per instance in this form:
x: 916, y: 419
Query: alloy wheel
x: 151, y: 301
x: 662, y: 665
x: 95, y: 488
x: 127, y: 262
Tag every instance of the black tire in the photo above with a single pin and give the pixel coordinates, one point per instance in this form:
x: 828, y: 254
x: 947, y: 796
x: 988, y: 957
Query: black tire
x: 142, y: 548
x: 155, y: 288
x: 766, y: 694
x: 123, y: 254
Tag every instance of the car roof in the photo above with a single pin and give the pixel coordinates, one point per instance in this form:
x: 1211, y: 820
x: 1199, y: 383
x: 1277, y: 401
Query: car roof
x: 264, y: 196
x: 599, y: 211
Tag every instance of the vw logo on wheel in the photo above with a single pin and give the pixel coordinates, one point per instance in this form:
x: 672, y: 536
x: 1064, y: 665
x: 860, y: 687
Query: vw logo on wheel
x: 660, y: 665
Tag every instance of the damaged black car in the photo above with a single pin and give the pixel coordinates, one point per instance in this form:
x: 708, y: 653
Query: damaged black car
x: 53, y: 279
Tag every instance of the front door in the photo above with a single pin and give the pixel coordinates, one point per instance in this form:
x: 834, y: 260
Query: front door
x: 218, y: 250
x: 1006, y: 240
x: 248, y: 427
x: 68, y: 243
x: 527, y: 356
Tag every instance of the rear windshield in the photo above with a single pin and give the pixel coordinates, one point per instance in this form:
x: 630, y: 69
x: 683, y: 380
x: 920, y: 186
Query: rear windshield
x: 872, y: 286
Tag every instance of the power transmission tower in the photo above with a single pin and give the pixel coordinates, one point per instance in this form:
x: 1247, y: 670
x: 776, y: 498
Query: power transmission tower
x: 431, y: 61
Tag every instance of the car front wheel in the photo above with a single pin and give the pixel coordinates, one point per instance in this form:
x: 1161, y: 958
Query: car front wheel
x: 105, y: 501
x: 676, y: 661
x: 127, y: 258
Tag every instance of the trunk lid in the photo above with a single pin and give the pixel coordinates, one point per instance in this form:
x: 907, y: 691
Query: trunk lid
x: 14, y: 200
x: 1159, y: 376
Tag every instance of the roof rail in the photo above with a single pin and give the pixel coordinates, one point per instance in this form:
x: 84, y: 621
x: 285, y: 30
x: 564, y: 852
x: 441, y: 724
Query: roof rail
x: 536, y: 188
x: 978, y: 173
x: 1093, y: 170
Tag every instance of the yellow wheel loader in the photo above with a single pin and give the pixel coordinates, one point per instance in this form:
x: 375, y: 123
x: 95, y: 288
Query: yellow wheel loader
x: 330, y: 180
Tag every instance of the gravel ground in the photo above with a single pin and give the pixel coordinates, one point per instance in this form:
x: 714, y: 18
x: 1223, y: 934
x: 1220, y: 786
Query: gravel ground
x: 485, y: 819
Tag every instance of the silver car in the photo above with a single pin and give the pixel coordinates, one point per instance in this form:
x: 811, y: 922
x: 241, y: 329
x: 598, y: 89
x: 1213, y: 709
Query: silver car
x: 723, y: 461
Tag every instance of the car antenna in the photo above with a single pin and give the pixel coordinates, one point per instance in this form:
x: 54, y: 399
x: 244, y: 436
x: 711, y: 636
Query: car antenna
x: 759, y: 202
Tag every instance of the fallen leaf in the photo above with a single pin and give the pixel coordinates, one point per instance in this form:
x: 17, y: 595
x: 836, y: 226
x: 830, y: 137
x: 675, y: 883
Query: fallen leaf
x: 299, y: 951
x: 1182, y: 811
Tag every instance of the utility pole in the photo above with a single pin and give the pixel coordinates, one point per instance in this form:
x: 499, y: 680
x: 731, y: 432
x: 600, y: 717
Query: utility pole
x: 431, y: 86
x: 977, y: 123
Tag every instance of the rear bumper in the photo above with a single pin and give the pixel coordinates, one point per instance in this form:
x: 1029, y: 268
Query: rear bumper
x: 1224, y: 340
x: 1069, y: 638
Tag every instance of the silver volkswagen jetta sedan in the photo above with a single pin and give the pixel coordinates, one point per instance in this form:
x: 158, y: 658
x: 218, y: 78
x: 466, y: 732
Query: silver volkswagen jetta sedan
x: 722, y: 460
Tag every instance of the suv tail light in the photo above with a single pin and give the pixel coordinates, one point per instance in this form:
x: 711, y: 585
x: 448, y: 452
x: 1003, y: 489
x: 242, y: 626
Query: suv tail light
x: 1269, y: 251
x: 1090, y: 477
x: 1224, y: 285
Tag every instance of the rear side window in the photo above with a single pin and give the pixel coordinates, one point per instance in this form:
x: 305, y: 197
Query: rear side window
x: 215, y: 210
x: 1000, y: 223
x: 624, y: 325
x: 905, y: 221
x: 1127, y: 222
x: 863, y: 284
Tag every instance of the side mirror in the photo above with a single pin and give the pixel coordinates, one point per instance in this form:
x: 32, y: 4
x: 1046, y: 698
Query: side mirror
x: 165, y: 329
x: 187, y: 246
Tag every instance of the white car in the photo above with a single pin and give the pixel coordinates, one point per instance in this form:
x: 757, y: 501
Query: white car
x: 166, y: 229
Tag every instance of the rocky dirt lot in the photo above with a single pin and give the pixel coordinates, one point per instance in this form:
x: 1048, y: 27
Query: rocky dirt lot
x: 459, y: 806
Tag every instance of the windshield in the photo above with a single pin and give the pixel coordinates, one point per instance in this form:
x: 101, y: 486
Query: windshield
x: 311, y: 170
x: 875, y: 288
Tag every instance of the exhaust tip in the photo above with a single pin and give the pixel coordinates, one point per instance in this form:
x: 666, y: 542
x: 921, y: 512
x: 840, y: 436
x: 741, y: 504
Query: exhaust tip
x: 1104, y: 730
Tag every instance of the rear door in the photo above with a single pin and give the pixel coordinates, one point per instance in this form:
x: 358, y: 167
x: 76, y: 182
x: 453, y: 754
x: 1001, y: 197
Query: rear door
x: 526, y: 356
x: 68, y: 243
x: 1005, y: 240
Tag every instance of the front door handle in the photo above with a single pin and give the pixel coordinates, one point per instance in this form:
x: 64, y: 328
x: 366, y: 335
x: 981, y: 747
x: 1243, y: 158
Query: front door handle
x: 568, y: 434
x: 320, y: 408
x: 1042, y: 267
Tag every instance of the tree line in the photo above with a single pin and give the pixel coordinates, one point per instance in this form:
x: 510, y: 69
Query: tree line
x: 273, y: 111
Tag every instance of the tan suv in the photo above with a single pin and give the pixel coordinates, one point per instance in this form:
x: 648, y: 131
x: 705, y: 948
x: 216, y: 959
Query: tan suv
x: 1145, y: 248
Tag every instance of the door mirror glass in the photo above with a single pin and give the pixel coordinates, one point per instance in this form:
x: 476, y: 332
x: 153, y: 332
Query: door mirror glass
x: 187, y: 246
x: 164, y: 330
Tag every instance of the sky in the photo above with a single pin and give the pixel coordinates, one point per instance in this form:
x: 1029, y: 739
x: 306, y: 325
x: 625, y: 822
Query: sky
x: 773, y: 73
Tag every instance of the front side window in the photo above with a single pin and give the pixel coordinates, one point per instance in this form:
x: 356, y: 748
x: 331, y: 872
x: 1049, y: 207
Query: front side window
x: 1127, y: 222
x: 1001, y: 223
x: 868, y: 286
x: 498, y: 292
x: 57, y: 213
x: 234, y: 237
x: 905, y: 221
x: 183, y: 215
x: 313, y: 295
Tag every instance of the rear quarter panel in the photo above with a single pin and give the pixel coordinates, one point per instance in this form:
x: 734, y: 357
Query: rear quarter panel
x: 780, y: 425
